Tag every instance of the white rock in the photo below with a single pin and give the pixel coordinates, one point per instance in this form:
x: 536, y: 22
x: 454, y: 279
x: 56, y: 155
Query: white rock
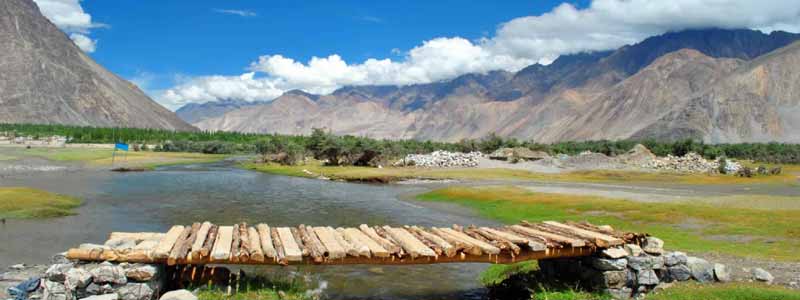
x: 762, y: 275
x: 721, y: 273
x: 102, y: 297
x: 77, y: 278
x: 633, y: 249
x: 179, y: 295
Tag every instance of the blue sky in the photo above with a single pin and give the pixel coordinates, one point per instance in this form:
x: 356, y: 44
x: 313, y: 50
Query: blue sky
x: 196, y: 51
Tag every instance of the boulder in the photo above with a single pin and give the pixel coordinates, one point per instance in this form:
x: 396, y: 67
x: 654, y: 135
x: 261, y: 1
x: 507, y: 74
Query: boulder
x: 620, y: 293
x: 17, y: 267
x: 605, y: 264
x: 702, y: 270
x: 141, y: 273
x: 99, y: 289
x: 633, y: 249
x: 613, y: 279
x: 102, y: 297
x: 77, y: 278
x: 653, y: 245
x: 136, y: 291
x: 675, y: 258
x: 179, y: 295
x: 108, y: 273
x: 647, y: 277
x: 679, y: 273
x: 54, y: 291
x: 762, y: 275
x: 721, y: 273
x: 57, y: 272
x: 615, y: 253
x: 645, y: 262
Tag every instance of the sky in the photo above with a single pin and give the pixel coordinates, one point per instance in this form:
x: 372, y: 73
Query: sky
x: 196, y: 51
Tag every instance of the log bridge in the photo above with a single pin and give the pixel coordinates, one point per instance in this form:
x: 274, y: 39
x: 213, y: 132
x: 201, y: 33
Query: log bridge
x: 206, y: 243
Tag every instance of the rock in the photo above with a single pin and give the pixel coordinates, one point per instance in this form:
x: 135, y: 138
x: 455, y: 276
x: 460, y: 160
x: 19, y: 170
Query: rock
x: 679, y: 273
x: 702, y: 270
x: 613, y: 279
x: 136, y: 291
x: 441, y: 159
x: 77, y: 278
x: 107, y: 273
x: 675, y: 258
x: 605, y: 264
x: 102, y: 297
x: 620, y: 294
x: 57, y: 272
x: 120, y: 244
x: 60, y: 258
x: 647, y: 277
x: 615, y: 253
x: 99, y: 289
x: 633, y: 249
x: 141, y: 273
x: 653, y: 245
x: 54, y: 291
x: 762, y: 275
x: 641, y: 263
x: 179, y: 295
x: 18, y: 267
x: 721, y: 273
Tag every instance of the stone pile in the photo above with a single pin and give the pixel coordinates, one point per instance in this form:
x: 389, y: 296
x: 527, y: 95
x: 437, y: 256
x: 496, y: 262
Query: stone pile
x: 441, y: 159
x: 107, y: 281
x: 689, y: 163
x: 632, y: 271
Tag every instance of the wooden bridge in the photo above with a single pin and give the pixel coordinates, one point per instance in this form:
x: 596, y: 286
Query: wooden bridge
x: 206, y: 243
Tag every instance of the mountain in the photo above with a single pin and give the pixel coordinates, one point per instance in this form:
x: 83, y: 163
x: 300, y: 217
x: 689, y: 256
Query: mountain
x: 45, y: 78
x: 196, y: 112
x: 641, y: 90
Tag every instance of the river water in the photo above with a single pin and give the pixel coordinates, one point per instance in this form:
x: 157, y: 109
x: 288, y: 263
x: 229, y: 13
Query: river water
x: 220, y: 193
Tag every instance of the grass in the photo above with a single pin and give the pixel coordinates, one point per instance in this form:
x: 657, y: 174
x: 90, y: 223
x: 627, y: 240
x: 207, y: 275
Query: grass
x: 102, y: 157
x: 24, y: 203
x: 694, y: 226
x: 728, y: 291
x: 388, y: 174
x: 258, y: 294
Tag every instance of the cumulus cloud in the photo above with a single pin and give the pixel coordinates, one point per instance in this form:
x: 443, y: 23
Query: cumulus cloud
x: 69, y: 16
x: 566, y: 29
x: 238, y: 12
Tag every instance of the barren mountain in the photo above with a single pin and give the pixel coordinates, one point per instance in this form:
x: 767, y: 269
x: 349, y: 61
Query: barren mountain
x: 45, y: 78
x: 651, y: 89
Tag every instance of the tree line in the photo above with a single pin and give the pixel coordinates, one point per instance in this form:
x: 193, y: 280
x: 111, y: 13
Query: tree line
x: 355, y: 150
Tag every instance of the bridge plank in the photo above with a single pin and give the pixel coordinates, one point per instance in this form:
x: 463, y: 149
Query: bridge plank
x: 244, y: 243
x: 256, y: 253
x: 375, y: 249
x: 299, y: 239
x: 167, y: 242
x: 328, y: 239
x: 411, y: 244
x: 448, y: 249
x: 382, y: 233
x: 436, y: 248
x: 265, y: 237
x: 348, y: 247
x: 182, y: 245
x: 547, y: 235
x: 384, y: 243
x: 315, y: 247
x: 222, y: 246
x: 290, y: 248
x: 361, y: 248
x: 494, y: 240
x: 459, y: 244
x: 602, y: 240
x: 534, y: 245
x: 208, y: 245
x: 280, y: 254
x: 200, y: 239
x: 138, y: 236
x: 485, y: 247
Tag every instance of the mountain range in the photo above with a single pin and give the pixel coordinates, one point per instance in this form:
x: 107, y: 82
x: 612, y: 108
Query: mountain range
x: 45, y: 78
x: 717, y: 85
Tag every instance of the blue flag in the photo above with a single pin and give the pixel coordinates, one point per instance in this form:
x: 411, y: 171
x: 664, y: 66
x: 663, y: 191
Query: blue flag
x: 121, y: 146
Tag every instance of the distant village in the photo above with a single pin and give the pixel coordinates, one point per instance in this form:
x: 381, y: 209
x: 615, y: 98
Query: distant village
x: 10, y: 138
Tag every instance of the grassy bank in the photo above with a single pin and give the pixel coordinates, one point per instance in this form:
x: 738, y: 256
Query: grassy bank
x: 699, y: 227
x: 390, y: 174
x: 259, y: 294
x: 102, y: 157
x: 22, y: 202
x: 728, y: 291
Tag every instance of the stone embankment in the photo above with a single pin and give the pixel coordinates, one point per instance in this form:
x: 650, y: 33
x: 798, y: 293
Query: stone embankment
x: 441, y: 159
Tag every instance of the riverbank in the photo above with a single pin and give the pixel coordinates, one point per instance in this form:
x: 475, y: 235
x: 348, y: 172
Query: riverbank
x: 27, y: 203
x: 102, y: 158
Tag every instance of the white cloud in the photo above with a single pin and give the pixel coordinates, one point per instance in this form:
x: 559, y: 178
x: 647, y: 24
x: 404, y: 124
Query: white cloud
x: 604, y: 25
x: 69, y: 16
x: 238, y: 12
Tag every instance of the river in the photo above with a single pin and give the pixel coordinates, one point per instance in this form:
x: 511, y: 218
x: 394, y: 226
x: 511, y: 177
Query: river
x: 223, y: 194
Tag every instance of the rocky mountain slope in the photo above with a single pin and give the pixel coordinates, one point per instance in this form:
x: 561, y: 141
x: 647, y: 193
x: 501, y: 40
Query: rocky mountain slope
x: 196, y: 112
x: 45, y: 78
x: 642, y: 90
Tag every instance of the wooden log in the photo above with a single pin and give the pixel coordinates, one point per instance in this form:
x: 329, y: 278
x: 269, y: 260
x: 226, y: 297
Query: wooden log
x: 208, y: 245
x: 411, y: 244
x: 382, y: 233
x: 361, y: 248
x: 315, y: 248
x: 515, y: 239
x: 485, y: 247
x: 200, y: 239
x: 256, y: 253
x: 384, y: 243
x: 428, y: 243
x: 299, y: 239
x: 375, y: 249
x: 290, y: 248
x: 495, y: 240
x: 222, y: 246
x: 137, y: 236
x: 448, y: 249
x: 235, y: 242
x: 548, y: 235
x: 349, y: 249
x: 182, y: 246
x: 167, y: 242
x: 110, y: 255
x: 244, y: 245
x: 328, y: 239
x: 457, y: 242
x: 280, y: 255
x: 148, y: 245
x: 600, y: 239
x: 265, y: 236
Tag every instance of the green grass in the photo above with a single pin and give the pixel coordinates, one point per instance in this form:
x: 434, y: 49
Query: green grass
x: 495, y: 274
x: 695, y: 227
x: 388, y: 174
x: 259, y: 294
x: 102, y: 157
x: 728, y: 291
x: 24, y: 203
